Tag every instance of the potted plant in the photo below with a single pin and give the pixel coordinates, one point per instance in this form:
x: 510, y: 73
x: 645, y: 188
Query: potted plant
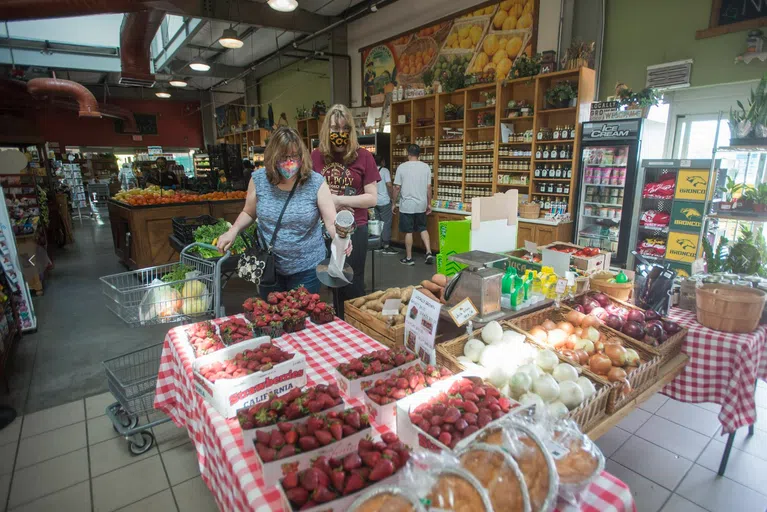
x: 526, y: 66
x: 744, y: 122
x: 730, y: 190
x: 760, y: 198
x: 525, y: 109
x: 319, y: 109
x: 512, y: 109
x: 643, y: 99
x: 562, y: 94
x: 451, y: 112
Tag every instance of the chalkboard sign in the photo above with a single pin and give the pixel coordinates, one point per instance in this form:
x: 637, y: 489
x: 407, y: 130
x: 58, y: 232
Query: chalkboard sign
x: 735, y: 11
x: 147, y: 124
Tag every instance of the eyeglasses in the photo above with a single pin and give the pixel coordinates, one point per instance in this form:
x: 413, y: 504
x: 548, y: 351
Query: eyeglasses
x: 289, y: 157
x: 338, y: 129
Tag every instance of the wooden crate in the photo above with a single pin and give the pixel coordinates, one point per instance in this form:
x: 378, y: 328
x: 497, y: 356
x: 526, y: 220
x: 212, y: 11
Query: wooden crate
x: 585, y: 415
x: 379, y: 330
x: 641, y: 378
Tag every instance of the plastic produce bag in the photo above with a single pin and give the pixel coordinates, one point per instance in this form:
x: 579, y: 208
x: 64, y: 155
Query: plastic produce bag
x: 161, y: 301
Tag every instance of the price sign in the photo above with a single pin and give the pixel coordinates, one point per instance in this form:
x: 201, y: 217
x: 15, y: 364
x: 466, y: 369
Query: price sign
x: 421, y: 326
x: 531, y: 247
x: 463, y: 312
x: 561, y: 286
x: 391, y: 307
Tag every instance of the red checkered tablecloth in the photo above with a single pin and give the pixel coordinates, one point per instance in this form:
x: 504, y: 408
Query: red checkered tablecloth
x: 723, y: 369
x: 231, y: 469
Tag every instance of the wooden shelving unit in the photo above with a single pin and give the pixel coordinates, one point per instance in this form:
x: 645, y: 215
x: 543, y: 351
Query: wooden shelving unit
x: 309, y: 128
x: 533, y: 90
x: 247, y: 139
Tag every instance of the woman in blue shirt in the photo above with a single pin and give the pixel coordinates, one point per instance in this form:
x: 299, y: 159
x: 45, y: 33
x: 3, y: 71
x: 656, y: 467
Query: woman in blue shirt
x: 298, y: 247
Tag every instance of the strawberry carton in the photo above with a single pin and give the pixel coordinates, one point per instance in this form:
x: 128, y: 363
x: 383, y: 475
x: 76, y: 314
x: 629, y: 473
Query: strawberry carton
x: 234, y: 329
x: 204, y: 338
x: 246, y: 374
x: 296, y: 406
x: 331, y: 484
x: 292, y: 447
x: 440, y: 417
x: 361, y: 373
x: 381, y: 399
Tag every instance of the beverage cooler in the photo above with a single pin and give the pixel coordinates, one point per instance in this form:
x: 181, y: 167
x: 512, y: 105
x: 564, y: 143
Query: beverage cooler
x: 609, y: 163
x: 378, y: 144
x: 9, y: 259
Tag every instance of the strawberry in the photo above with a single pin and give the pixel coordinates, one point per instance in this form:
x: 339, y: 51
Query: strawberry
x: 383, y: 468
x: 461, y: 425
x: 276, y: 439
x: 291, y: 437
x: 470, y: 418
x: 298, y: 496
x: 337, y: 478
x: 286, y: 451
x: 323, y: 495
x: 308, y: 443
x: 436, y: 420
x: 452, y: 415
x: 323, y: 464
x: 434, y: 431
x: 284, y: 427
x: 353, y: 419
x: 313, y: 424
x: 310, y: 478
x: 352, y: 461
x: 333, y: 391
x: 483, y: 419
x: 370, y: 459
x: 365, y: 445
x: 262, y: 437
x: 348, y: 430
x: 291, y: 480
x: 505, y: 404
x: 445, y: 438
x: 470, y: 407
x: 389, y: 437
x: 354, y: 483
x: 336, y: 429
x: 323, y: 437
x: 267, y: 454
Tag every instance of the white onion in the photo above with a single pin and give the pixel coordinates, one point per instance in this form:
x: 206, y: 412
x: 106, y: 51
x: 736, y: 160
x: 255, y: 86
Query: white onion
x: 585, y: 344
x: 557, y: 410
x: 547, y: 360
x: 473, y: 349
x: 571, y: 394
x: 463, y: 360
x: 497, y: 377
x: 533, y: 399
x: 546, y: 387
x: 520, y: 383
x: 513, y: 337
x: 587, y: 387
x: 564, y: 371
x: 491, y: 357
x: 531, y: 369
x: 492, y: 332
x: 592, y: 334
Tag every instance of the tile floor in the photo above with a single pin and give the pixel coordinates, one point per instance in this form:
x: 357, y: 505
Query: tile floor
x: 69, y: 458
x: 668, y: 453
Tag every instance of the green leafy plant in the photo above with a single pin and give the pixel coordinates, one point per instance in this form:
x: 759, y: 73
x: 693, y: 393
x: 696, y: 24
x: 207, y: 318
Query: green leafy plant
x: 450, y: 109
x: 319, y: 108
x: 645, y: 98
x: 428, y: 77
x: 452, y: 81
x: 715, y: 260
x: 561, y: 93
x: 747, y: 254
x: 744, y: 120
x: 526, y: 66
x: 731, y: 188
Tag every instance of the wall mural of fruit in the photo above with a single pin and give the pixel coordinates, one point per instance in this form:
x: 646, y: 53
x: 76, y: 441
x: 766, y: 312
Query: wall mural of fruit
x: 485, y: 40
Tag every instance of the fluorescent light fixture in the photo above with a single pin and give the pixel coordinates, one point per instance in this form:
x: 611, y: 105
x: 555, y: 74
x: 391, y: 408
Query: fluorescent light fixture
x: 229, y: 39
x: 178, y: 82
x: 198, y: 64
x: 283, y: 5
x: 162, y: 93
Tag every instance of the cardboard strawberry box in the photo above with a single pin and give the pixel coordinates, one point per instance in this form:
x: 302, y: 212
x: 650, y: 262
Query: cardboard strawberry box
x: 228, y: 395
x: 297, y: 401
x: 397, y: 387
x: 203, y: 338
x: 275, y: 470
x: 355, y: 387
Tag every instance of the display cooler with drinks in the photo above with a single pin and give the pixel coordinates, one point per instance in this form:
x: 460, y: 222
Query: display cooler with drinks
x: 609, y: 161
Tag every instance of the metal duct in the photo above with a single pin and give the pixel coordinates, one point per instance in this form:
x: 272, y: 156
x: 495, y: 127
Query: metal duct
x: 12, y: 10
x: 42, y: 87
x: 107, y: 110
x: 136, y: 34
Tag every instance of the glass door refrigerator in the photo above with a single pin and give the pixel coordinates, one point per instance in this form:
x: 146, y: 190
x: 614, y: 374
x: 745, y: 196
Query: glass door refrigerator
x: 9, y: 259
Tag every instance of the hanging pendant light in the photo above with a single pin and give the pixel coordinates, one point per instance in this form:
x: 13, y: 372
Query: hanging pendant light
x: 162, y: 93
x: 229, y: 39
x: 198, y: 64
x: 283, y: 5
x: 178, y: 82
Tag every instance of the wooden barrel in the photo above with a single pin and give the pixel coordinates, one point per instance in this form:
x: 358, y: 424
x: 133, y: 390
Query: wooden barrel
x: 729, y: 308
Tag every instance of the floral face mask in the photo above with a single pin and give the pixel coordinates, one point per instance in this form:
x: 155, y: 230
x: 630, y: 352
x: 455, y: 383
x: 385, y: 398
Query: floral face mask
x: 339, y: 139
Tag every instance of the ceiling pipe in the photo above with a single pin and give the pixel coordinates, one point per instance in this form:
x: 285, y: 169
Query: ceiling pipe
x: 107, y: 110
x: 44, y: 87
x: 37, y: 9
x: 136, y: 34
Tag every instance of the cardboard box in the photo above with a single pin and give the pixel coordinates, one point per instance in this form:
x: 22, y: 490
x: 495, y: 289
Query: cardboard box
x: 274, y: 471
x: 228, y: 395
x: 356, y: 388
x: 592, y: 264
x: 343, y: 503
x: 250, y: 435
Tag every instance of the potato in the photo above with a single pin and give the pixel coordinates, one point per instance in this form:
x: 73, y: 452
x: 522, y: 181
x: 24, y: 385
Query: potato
x: 407, y: 293
x: 440, y: 279
x: 392, y: 293
x: 403, y: 309
x: 432, y: 287
x: 375, y: 305
x: 399, y: 319
x: 358, y: 303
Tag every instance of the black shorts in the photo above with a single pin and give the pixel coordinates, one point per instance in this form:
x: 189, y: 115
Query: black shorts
x: 412, y: 222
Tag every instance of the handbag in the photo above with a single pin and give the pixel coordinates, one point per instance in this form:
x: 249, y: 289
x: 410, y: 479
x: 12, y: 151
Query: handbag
x: 256, y: 264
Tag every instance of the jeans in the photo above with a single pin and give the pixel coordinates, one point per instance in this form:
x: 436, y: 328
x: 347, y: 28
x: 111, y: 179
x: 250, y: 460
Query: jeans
x: 384, y: 213
x: 307, y: 278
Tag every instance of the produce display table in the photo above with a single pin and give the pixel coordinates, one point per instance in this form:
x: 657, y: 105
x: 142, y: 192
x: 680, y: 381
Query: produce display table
x: 723, y: 369
x: 231, y: 470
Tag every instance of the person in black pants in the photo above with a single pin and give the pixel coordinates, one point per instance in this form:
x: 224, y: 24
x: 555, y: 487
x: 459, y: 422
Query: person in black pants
x: 352, y: 174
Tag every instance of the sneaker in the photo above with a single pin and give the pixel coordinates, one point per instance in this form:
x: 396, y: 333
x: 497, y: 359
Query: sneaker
x: 406, y: 261
x: 429, y: 259
x: 389, y: 250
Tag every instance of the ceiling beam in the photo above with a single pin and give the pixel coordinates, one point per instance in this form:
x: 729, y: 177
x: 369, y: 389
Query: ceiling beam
x: 250, y: 13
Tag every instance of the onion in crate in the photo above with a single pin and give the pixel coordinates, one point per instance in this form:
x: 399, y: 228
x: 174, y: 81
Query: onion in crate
x: 571, y: 394
x: 533, y: 399
x: 520, y: 383
x: 492, y: 332
x: 533, y: 370
x: 557, y: 410
x: 614, y: 322
x: 601, y: 298
x: 671, y: 327
x: 473, y: 349
x: 636, y: 316
x: 564, y: 372
x: 546, y: 387
x: 651, y: 314
x: 633, y: 329
x: 546, y: 360
x: 587, y: 386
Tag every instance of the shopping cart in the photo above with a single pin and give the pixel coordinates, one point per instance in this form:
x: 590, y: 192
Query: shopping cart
x: 132, y: 380
x: 142, y: 298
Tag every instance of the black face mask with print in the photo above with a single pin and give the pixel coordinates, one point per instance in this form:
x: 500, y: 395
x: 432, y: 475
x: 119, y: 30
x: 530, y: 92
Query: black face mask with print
x: 339, y: 139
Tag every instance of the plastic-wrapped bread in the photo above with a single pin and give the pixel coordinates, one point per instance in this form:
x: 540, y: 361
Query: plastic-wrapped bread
x: 499, y: 475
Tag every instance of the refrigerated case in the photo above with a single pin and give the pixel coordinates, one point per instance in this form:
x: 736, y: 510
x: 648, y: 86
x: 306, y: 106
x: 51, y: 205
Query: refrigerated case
x: 9, y: 258
x: 377, y: 143
x: 609, y: 162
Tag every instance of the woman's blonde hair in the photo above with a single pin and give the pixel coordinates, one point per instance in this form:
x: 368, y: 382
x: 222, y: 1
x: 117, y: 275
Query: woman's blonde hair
x: 283, y: 142
x: 335, y: 112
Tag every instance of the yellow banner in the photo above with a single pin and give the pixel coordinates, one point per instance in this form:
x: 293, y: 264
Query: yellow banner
x: 682, y: 247
x: 691, y: 184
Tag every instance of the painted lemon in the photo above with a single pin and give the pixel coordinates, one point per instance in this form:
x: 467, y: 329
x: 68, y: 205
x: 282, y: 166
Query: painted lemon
x: 481, y: 62
x: 489, y: 66
x: 513, y: 46
x: 507, y: 4
x: 466, y: 43
x: 510, y: 23
x: 502, y: 68
x: 475, y: 33
x: 451, y: 39
x: 463, y: 32
x: 499, y: 18
x: 499, y: 56
x: 489, y: 10
x: 516, y: 10
x: 490, y: 45
x: 525, y: 21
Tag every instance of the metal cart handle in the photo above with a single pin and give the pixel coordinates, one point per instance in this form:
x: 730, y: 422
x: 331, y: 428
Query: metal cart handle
x: 186, y: 249
x: 217, y: 310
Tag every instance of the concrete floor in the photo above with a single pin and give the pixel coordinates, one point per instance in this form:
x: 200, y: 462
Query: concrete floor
x: 61, y: 362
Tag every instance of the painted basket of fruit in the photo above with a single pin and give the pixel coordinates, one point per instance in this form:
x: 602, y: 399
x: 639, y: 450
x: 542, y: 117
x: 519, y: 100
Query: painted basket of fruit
x: 438, y: 32
x: 419, y: 56
x: 513, y: 15
x: 630, y: 365
x: 662, y: 334
x: 596, y: 393
x: 464, y: 36
x: 498, y: 51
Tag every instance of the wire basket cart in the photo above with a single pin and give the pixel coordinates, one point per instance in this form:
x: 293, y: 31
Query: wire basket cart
x: 132, y: 380
x: 141, y: 297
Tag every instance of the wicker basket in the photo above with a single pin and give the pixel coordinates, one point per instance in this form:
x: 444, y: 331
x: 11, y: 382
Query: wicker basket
x: 620, y: 291
x: 729, y: 308
x: 641, y: 378
x: 669, y: 348
x: 586, y: 415
x: 529, y: 210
